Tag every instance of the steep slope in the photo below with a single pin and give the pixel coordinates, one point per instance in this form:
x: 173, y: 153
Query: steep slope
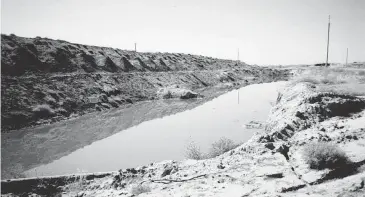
x: 45, y: 80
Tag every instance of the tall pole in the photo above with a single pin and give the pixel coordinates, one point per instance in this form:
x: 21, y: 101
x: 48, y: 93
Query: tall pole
x: 135, y: 47
x: 347, y: 55
x: 328, y: 37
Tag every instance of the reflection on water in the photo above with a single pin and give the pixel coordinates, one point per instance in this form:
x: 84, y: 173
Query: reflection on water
x: 27, y: 148
x: 94, y: 143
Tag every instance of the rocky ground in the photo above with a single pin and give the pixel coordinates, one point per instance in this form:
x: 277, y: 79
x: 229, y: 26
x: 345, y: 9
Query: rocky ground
x: 45, y: 80
x: 271, y: 163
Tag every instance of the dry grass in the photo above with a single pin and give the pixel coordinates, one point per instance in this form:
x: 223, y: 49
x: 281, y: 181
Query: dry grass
x: 329, y: 76
x: 221, y: 146
x: 193, y: 152
x: 217, y: 148
x: 76, y: 185
x: 348, y: 81
x: 353, y: 89
x: 321, y: 155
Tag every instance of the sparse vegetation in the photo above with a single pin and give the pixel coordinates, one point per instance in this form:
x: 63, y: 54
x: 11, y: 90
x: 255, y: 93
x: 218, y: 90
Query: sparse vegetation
x: 139, y: 189
x: 353, y: 89
x: 221, y: 146
x: 217, y: 148
x: 327, y: 76
x: 193, y: 152
x: 348, y: 81
x: 75, y: 185
x: 321, y: 155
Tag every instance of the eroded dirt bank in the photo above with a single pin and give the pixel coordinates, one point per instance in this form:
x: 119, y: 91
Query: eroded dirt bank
x: 45, y: 80
x: 270, y: 164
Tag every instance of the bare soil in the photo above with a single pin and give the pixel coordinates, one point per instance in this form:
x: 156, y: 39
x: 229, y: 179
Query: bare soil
x: 45, y: 80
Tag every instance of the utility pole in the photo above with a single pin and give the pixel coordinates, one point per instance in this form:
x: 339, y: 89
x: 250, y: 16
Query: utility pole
x: 135, y: 47
x: 347, y: 55
x: 328, y: 38
x: 238, y: 56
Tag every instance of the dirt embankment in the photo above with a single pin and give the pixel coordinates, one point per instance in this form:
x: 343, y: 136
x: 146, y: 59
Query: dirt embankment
x: 46, y: 80
x: 270, y: 164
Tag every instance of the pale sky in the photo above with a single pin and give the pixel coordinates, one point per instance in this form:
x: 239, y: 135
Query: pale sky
x: 265, y: 31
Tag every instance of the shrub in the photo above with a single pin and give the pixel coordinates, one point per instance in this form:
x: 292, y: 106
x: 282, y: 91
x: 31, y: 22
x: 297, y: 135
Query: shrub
x: 139, y: 189
x: 217, y: 148
x: 221, y: 146
x: 76, y: 184
x: 193, y: 152
x: 323, y: 155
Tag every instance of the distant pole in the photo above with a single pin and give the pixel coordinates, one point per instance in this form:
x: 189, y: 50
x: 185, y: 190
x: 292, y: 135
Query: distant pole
x: 347, y: 55
x: 328, y: 38
x: 135, y: 47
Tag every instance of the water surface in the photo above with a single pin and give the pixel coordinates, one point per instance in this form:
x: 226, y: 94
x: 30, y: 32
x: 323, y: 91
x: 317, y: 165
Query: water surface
x: 144, y: 141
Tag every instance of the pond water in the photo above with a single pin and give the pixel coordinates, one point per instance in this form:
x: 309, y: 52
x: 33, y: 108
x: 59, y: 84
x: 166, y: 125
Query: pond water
x: 136, y: 135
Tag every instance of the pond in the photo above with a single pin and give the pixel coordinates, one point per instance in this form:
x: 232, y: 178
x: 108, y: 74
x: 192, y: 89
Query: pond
x: 136, y: 135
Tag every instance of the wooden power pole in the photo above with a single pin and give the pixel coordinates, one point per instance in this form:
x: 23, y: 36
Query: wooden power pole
x: 347, y: 55
x: 328, y: 38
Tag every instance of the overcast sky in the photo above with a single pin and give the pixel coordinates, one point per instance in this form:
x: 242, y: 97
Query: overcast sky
x: 265, y: 31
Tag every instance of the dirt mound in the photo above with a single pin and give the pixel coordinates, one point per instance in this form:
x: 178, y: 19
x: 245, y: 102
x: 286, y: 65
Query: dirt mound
x: 306, y: 107
x: 74, y: 79
x: 42, y: 55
